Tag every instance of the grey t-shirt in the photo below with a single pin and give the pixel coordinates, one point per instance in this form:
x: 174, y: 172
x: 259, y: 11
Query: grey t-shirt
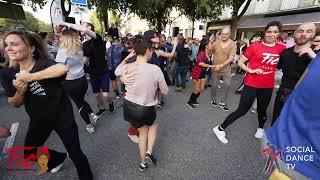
x: 74, y: 62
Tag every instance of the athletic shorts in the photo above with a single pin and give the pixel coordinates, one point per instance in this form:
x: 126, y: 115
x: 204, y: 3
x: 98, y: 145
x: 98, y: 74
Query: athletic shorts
x: 100, y: 83
x: 137, y: 115
x: 112, y: 75
x: 203, y: 74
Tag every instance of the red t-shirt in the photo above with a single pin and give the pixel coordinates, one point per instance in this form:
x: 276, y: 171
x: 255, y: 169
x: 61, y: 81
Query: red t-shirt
x: 261, y: 56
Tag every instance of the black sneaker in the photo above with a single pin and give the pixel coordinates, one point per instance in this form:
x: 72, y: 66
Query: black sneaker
x: 161, y: 104
x: 190, y: 105
x: 151, y: 158
x: 214, y: 103
x: 223, y: 106
x: 195, y: 103
x: 100, y: 112
x: 111, y: 108
x: 143, y: 167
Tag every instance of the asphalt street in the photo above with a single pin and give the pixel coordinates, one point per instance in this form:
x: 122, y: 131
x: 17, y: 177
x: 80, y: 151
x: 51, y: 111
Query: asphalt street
x: 186, y: 147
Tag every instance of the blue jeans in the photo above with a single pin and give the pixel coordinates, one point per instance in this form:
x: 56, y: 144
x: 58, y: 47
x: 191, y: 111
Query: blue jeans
x: 181, y: 76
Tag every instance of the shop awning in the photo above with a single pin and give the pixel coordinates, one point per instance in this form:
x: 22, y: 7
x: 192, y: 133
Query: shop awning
x: 289, y: 21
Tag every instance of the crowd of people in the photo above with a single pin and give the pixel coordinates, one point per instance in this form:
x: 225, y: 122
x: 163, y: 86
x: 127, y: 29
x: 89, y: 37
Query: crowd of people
x: 45, y: 71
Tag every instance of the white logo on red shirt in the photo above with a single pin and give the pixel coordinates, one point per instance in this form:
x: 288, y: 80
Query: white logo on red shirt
x: 269, y: 62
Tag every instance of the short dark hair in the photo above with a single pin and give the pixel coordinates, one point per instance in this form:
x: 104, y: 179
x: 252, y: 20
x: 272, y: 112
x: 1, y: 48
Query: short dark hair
x: 274, y: 23
x: 141, y: 45
x: 91, y: 26
x: 43, y: 35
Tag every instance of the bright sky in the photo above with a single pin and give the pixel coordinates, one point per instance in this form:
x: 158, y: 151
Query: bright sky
x: 44, y: 13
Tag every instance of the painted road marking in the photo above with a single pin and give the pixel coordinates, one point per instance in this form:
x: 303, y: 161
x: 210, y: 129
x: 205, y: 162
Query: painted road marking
x: 10, y: 140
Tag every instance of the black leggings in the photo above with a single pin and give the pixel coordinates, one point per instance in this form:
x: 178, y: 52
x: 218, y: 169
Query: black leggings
x: 281, y: 98
x: 38, y: 135
x: 76, y: 90
x: 247, y: 98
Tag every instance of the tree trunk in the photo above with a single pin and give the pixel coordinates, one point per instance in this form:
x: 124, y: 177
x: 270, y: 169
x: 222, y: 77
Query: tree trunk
x: 159, y: 24
x: 234, y: 26
x: 192, y: 28
x: 106, y: 22
x: 235, y: 17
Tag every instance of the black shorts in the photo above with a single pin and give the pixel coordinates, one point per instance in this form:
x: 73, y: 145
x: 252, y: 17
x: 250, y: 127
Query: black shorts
x: 203, y: 74
x: 112, y: 75
x: 138, y: 115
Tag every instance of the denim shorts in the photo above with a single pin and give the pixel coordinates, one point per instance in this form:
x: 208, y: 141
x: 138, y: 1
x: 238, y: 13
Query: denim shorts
x: 100, y: 83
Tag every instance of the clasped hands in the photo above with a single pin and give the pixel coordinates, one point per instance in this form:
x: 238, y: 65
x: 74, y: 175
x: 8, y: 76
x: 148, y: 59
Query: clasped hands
x: 21, y: 81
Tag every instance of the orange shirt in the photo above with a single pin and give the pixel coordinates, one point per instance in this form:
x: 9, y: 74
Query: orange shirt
x: 221, y: 55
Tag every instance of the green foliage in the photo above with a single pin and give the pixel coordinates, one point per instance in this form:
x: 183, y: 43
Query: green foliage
x: 157, y: 12
x: 43, y: 27
x: 96, y: 23
x: 31, y: 23
x: 34, y: 4
x: 104, y: 5
x: 202, y: 9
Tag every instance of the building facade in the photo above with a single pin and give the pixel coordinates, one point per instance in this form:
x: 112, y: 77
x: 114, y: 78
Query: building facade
x: 260, y: 12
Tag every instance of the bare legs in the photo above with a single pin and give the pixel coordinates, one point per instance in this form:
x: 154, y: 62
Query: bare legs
x: 147, y: 137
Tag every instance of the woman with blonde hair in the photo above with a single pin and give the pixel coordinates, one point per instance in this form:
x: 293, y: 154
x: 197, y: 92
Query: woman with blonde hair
x: 70, y: 53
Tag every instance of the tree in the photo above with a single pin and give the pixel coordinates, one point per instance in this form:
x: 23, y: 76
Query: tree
x: 31, y: 23
x: 43, y: 27
x: 236, y: 16
x: 201, y: 9
x: 103, y: 6
x: 96, y: 23
x: 155, y: 11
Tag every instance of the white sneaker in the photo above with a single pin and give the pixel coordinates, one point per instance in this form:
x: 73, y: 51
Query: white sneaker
x: 259, y: 134
x: 56, y: 169
x: 94, y: 119
x: 134, y: 138
x: 90, y: 128
x: 254, y: 111
x: 221, y: 135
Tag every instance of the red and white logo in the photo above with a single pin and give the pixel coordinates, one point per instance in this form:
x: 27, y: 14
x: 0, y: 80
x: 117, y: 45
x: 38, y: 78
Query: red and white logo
x: 269, y: 62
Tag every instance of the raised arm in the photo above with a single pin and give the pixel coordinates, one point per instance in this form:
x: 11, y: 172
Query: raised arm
x: 120, y: 69
x: 166, y: 54
x: 80, y: 28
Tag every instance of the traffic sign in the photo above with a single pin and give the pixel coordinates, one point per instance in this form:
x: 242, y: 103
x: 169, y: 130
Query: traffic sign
x: 80, y: 2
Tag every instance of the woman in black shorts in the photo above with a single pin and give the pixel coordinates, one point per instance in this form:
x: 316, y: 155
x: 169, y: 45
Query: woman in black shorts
x: 142, y: 96
x: 199, y: 72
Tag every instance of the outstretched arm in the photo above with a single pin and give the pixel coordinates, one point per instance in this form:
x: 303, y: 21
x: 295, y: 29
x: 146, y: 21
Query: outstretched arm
x: 80, y: 28
x: 53, y: 71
